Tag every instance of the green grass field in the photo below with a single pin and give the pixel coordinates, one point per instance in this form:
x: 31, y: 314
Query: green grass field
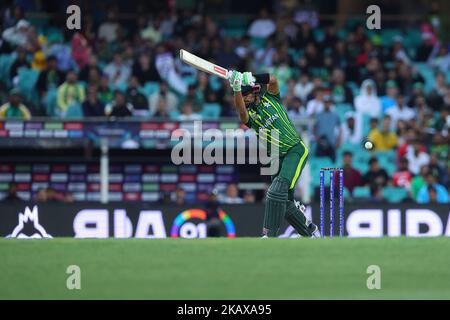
x: 245, y: 268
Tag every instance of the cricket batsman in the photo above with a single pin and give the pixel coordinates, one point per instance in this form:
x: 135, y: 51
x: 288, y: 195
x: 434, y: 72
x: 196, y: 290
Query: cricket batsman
x: 264, y: 113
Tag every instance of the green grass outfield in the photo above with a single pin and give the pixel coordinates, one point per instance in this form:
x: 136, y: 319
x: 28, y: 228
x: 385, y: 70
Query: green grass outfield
x: 244, y: 268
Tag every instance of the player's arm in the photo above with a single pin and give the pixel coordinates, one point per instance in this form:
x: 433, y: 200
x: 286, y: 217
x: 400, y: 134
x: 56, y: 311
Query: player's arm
x: 272, y: 86
x: 248, y: 79
x: 240, y: 106
x: 236, y: 83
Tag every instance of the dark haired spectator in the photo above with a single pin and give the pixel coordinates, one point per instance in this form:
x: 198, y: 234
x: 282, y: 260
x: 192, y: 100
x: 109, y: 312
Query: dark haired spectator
x: 352, y: 176
x: 187, y: 112
x: 179, y: 196
x: 340, y: 91
x: 249, y: 197
x: 402, y: 177
x: 105, y: 94
x: 383, y: 139
x: 432, y: 191
x: 70, y: 92
x: 316, y: 105
x: 14, y: 109
x: 351, y: 129
x: 425, y: 48
x: 50, y: 77
x: 92, y: 64
x: 417, y: 157
x: 376, y: 175
x: 144, y: 69
x: 327, y: 130
x: 195, y: 96
x: 20, y: 62
x: 263, y: 26
x: 119, y: 107
x: 117, y: 70
x: 400, y: 111
x: 161, y: 111
x: 135, y: 97
x: 92, y: 106
x: 231, y: 195
x: 163, y: 93
x: 12, y: 195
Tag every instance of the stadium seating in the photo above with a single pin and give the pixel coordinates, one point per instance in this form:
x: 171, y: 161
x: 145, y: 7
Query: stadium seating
x: 211, y: 111
x: 361, y: 192
x: 394, y: 194
x: 27, y: 83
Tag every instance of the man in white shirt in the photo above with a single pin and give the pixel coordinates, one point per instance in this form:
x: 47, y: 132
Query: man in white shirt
x: 303, y: 88
x: 262, y: 27
x: 400, y: 111
x: 117, y: 71
x: 316, y: 105
x: 351, y: 130
x: 416, y: 157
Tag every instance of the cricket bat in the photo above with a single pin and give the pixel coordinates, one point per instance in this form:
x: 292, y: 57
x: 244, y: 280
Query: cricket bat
x: 203, y: 65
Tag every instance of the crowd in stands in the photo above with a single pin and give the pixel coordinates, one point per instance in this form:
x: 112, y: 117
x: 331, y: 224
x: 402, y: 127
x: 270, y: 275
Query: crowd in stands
x: 389, y: 88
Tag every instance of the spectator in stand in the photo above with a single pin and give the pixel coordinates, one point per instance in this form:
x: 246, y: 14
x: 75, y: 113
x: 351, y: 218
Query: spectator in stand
x: 20, y: 62
x: 161, y: 111
x: 80, y: 50
x: 195, y: 96
x: 376, y: 193
x: 249, y: 197
x: 18, y: 35
x: 136, y: 98
x: 187, y: 112
x: 384, y: 139
x: 417, y: 157
x: 87, y: 68
x: 436, y: 96
x: 438, y: 170
x: 425, y: 49
x: 351, y: 129
x: 304, y: 87
x: 12, y: 195
x: 440, y: 147
x: 375, y: 175
x: 295, y: 108
x: 441, y: 122
x: 50, y: 78
x: 109, y: 29
x: 163, y: 93
x: 419, y: 181
x: 316, y: 105
x: 119, y: 107
x: 92, y: 106
x: 390, y: 99
x: 402, y: 177
x: 144, y: 69
x: 179, y: 197
x: 105, y: 94
x: 327, y: 131
x: 352, y: 176
x: 14, y: 109
x: 432, y: 192
x: 340, y: 91
x: 70, y: 92
x: 400, y: 111
x: 231, y: 195
x: 263, y: 26
x: 442, y: 61
x: 117, y: 70
x: 368, y: 102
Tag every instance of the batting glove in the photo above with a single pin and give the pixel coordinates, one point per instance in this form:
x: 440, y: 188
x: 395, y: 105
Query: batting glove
x: 235, y: 80
x: 248, y: 79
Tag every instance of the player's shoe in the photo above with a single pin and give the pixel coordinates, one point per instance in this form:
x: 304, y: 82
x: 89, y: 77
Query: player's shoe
x: 264, y: 237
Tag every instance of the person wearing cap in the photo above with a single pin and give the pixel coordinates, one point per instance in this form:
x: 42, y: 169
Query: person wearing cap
x: 14, y: 109
x: 17, y: 35
x: 265, y: 114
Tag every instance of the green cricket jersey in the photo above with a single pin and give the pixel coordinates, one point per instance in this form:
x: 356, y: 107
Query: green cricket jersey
x: 268, y: 115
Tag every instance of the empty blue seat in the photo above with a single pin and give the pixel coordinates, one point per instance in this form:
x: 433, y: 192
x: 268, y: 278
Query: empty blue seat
x: 394, y: 194
x: 211, y: 111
